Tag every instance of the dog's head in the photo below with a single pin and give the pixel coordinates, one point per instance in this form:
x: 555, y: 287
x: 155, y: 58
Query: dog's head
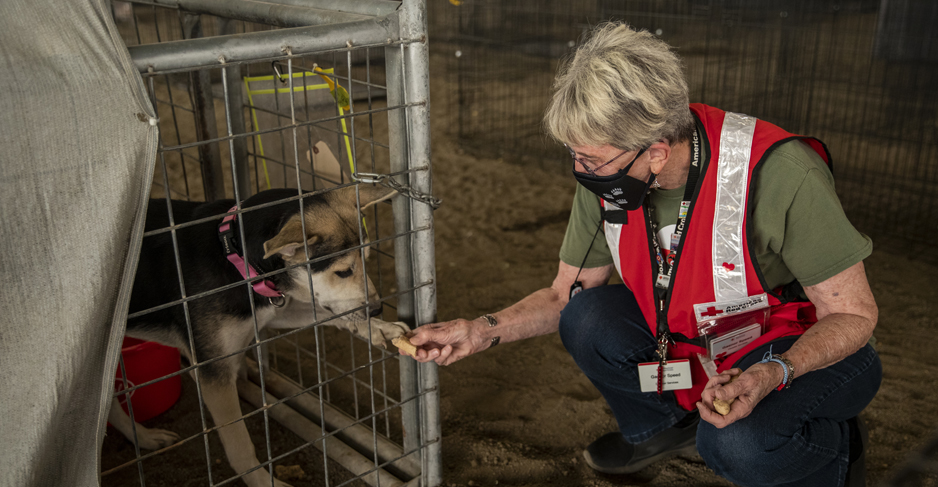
x: 331, y: 226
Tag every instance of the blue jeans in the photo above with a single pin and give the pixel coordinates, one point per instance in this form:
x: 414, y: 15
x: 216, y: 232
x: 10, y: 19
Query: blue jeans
x: 796, y: 436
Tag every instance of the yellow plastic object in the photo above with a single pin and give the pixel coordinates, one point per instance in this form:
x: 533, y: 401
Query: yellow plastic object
x: 338, y: 93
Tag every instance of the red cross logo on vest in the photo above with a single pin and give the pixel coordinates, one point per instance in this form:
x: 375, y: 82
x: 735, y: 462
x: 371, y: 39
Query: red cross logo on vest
x: 711, y: 311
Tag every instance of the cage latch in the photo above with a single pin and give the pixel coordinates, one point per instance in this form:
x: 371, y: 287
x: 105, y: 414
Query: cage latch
x: 369, y: 177
x: 387, y: 181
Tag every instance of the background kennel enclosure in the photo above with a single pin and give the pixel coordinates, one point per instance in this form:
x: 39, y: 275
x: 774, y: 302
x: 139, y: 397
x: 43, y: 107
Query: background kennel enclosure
x: 857, y: 74
x: 302, y: 95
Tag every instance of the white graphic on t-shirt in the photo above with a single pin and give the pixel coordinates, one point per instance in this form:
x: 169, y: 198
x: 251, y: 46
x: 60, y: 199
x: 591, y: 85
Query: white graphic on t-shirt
x: 664, y: 239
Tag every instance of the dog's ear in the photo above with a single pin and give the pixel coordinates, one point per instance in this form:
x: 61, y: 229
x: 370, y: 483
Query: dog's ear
x: 289, y: 240
x: 369, y: 194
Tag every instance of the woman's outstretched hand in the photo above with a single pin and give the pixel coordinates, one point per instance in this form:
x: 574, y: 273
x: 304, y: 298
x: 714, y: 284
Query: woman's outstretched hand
x: 447, y: 342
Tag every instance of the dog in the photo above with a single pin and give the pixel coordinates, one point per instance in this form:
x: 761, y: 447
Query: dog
x: 224, y: 321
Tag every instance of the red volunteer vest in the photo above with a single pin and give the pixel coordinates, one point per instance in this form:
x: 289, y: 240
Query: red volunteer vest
x: 714, y: 269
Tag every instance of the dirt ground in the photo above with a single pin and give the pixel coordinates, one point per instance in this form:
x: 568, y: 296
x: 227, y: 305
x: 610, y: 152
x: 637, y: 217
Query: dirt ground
x: 520, y: 414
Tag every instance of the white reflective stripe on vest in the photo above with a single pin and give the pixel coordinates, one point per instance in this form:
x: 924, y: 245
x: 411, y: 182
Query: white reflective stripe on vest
x: 729, y: 264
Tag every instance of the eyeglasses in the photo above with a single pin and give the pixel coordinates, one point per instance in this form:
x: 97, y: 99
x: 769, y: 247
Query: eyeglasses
x: 592, y: 172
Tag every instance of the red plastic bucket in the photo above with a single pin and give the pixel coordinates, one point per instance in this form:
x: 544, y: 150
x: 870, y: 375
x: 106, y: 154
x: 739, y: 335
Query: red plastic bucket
x: 145, y: 361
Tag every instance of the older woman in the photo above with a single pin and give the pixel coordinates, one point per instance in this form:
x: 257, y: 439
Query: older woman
x: 738, y: 265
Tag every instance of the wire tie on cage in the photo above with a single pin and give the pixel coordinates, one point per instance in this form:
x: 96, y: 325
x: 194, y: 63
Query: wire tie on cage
x: 389, y: 182
x: 277, y: 72
x: 153, y: 121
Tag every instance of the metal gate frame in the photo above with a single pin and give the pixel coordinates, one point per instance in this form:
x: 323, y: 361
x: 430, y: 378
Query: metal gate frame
x: 311, y: 26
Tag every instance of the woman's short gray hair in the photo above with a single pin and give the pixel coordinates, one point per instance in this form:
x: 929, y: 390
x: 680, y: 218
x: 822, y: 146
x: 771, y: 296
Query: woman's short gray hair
x: 622, y: 87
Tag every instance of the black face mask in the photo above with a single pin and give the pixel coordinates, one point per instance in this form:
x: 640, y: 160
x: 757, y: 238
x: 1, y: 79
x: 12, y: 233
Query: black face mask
x: 619, y: 189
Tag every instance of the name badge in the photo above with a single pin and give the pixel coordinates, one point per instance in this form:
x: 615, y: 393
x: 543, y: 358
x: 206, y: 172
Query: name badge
x: 732, y: 342
x: 675, y: 241
x: 676, y: 375
x: 685, y: 205
x: 663, y: 281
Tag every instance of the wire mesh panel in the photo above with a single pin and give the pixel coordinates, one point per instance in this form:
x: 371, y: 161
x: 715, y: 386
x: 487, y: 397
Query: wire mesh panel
x: 501, y: 57
x: 272, y: 261
x: 858, y: 74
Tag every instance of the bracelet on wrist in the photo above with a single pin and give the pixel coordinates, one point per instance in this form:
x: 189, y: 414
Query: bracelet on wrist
x: 492, y: 322
x: 789, y: 372
x: 787, y: 367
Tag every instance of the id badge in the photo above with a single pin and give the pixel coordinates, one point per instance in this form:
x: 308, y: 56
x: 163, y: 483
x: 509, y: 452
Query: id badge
x: 728, y: 327
x: 675, y: 241
x: 676, y: 375
x: 734, y: 341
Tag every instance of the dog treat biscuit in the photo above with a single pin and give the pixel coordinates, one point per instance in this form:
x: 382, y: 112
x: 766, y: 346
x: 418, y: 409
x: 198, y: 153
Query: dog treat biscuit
x: 723, y: 407
x: 404, y: 344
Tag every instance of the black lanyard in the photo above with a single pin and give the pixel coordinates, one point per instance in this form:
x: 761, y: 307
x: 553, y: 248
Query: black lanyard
x: 662, y: 285
x: 661, y: 293
x: 577, y: 286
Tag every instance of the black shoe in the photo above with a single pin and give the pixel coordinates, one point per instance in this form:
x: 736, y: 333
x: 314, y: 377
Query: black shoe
x: 859, y: 437
x: 613, y: 455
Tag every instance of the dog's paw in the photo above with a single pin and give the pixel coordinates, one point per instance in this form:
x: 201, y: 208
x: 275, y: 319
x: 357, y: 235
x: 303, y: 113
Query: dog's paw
x: 380, y: 332
x: 154, y: 439
x: 396, y: 329
x: 383, y: 331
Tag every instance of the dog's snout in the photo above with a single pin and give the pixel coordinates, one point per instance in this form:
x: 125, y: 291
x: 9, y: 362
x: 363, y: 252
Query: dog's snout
x: 376, y: 309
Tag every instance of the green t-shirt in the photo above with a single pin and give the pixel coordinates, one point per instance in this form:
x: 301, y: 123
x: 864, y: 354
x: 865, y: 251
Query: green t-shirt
x: 800, y: 229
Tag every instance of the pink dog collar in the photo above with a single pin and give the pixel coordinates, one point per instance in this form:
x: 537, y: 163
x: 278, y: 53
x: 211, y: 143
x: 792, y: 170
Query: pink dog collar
x: 265, y: 288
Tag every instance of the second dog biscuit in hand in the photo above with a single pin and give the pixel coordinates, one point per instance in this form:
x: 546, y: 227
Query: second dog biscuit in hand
x: 723, y: 407
x: 404, y: 344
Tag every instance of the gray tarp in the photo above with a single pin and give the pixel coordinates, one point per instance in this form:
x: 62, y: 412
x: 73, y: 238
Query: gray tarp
x: 75, y: 168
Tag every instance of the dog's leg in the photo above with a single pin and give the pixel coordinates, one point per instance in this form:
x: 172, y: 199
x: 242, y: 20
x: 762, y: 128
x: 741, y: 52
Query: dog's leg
x: 380, y: 330
x: 297, y: 314
x: 221, y: 398
x: 147, y: 438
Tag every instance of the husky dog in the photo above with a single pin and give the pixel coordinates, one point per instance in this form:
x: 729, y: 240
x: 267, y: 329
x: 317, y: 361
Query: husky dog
x: 223, y: 321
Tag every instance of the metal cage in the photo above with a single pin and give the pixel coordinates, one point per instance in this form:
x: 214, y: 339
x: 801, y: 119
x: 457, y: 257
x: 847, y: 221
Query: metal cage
x: 316, y: 96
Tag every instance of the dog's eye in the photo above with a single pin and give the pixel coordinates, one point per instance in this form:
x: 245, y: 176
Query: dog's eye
x: 344, y: 274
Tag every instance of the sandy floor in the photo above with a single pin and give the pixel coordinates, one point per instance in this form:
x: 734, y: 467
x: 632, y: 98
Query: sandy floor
x: 520, y: 414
